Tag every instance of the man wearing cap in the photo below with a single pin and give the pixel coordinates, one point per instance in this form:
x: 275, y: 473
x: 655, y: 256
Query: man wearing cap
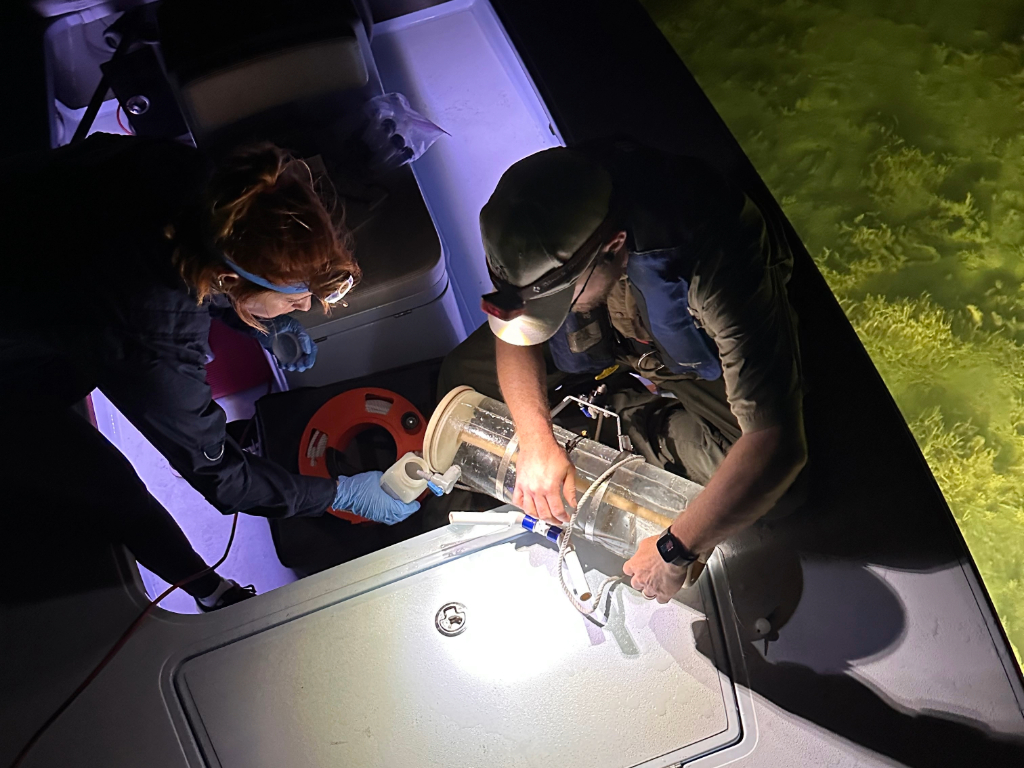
x: 623, y: 255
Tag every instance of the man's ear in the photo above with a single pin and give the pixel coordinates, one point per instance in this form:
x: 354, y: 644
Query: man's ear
x: 617, y: 242
x: 615, y: 247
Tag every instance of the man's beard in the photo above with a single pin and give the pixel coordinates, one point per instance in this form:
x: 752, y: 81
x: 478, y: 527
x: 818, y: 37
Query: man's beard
x: 590, y: 306
x: 601, y: 284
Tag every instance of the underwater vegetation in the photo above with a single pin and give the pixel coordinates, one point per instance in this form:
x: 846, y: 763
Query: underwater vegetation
x: 892, y: 133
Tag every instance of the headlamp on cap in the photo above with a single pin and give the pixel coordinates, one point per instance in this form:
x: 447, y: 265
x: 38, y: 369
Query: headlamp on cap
x: 505, y: 303
x: 542, y: 230
x: 509, y: 301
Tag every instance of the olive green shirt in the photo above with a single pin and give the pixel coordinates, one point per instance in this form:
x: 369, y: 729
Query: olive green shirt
x: 739, y: 298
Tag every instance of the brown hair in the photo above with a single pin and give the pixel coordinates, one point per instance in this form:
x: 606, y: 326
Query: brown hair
x: 264, y: 211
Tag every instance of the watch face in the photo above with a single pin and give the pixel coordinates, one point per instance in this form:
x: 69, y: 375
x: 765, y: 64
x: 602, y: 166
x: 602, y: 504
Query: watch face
x: 667, y: 547
x: 673, y: 551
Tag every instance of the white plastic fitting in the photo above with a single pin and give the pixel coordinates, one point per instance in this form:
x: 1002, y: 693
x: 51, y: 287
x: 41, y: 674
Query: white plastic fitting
x: 577, y: 578
x: 444, y: 482
x: 402, y: 481
x: 510, y: 517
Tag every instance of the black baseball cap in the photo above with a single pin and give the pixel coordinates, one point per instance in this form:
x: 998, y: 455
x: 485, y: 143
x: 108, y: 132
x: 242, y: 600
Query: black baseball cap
x: 542, y: 229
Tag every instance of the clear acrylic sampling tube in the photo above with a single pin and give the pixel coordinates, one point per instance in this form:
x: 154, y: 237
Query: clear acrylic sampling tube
x: 478, y: 434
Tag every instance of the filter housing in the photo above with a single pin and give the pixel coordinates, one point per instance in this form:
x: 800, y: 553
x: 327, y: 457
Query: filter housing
x: 477, y: 433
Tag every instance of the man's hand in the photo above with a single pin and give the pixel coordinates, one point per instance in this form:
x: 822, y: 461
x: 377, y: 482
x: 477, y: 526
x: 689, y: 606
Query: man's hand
x: 651, y: 574
x: 544, y: 475
x: 543, y: 471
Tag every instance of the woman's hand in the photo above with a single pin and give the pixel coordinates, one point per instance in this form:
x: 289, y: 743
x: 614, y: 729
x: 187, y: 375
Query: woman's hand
x: 297, y: 353
x: 544, y: 475
x: 362, y: 495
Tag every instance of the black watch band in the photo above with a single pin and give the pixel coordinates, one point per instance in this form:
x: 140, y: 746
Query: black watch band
x: 673, y: 551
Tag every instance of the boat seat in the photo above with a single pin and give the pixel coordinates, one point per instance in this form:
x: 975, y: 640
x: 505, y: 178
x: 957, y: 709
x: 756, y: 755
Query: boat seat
x: 299, y: 74
x: 234, y: 62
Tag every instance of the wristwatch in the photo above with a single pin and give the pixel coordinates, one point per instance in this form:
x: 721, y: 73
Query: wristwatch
x: 673, y: 551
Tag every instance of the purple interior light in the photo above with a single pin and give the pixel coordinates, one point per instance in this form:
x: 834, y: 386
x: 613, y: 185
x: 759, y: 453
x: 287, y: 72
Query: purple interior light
x: 253, y: 559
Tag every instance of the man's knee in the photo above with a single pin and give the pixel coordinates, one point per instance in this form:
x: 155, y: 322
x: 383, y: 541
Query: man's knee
x: 695, y: 444
x: 670, y: 436
x: 474, y: 364
x: 643, y: 415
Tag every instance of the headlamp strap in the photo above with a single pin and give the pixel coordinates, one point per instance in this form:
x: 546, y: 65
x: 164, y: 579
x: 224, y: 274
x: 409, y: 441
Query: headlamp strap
x: 558, y: 278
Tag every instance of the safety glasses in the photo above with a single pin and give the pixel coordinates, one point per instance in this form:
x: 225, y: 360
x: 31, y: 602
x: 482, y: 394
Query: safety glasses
x: 338, y: 296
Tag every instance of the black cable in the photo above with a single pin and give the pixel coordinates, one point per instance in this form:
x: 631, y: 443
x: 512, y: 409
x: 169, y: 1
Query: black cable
x: 91, y: 111
x: 98, y: 96
x: 572, y: 442
x: 593, y: 269
x: 117, y: 647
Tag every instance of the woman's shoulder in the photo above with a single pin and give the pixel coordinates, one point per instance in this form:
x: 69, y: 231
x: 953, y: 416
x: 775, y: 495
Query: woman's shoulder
x: 161, y: 157
x: 125, y: 181
x: 152, y: 179
x: 159, y: 306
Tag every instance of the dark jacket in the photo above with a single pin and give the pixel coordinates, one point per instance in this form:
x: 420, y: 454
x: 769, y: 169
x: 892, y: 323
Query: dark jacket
x: 92, y: 300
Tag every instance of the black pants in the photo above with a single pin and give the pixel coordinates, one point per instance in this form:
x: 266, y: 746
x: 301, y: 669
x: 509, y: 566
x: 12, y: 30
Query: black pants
x: 57, y: 470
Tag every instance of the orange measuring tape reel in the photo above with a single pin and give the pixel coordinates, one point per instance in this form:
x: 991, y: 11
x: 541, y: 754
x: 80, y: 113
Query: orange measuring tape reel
x: 346, y: 415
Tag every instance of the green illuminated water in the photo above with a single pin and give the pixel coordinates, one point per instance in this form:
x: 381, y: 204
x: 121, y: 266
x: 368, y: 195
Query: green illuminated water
x: 892, y: 133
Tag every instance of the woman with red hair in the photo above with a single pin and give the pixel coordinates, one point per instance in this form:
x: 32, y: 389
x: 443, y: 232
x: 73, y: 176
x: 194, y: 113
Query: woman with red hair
x: 115, y: 253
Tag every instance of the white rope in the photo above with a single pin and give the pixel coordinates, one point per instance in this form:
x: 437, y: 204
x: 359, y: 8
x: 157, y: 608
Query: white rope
x: 565, y: 541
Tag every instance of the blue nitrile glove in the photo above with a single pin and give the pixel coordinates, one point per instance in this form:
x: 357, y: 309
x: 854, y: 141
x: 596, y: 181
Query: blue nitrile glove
x: 362, y: 495
x: 288, y: 341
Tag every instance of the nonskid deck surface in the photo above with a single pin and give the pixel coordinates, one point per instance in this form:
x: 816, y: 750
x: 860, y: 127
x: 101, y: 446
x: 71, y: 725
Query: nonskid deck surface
x: 634, y: 691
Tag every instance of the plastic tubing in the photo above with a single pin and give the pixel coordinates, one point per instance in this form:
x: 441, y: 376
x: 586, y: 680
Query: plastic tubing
x: 515, y: 517
x: 402, y: 480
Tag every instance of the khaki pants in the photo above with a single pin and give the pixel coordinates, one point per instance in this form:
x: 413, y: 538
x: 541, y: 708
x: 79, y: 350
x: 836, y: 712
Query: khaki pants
x: 688, y: 435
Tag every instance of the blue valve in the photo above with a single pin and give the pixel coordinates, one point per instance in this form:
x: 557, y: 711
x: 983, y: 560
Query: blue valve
x: 549, y: 532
